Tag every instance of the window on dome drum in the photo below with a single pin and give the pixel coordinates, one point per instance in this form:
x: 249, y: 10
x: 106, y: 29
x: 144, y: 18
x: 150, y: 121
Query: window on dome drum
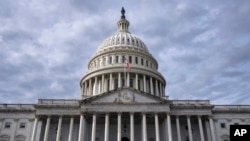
x: 130, y: 59
x: 147, y: 63
x: 122, y: 40
x: 236, y: 123
x: 7, y: 125
x: 22, y: 125
x: 141, y: 61
x: 123, y: 59
x: 136, y: 60
x: 223, y: 125
x: 116, y: 59
x: 110, y: 60
x: 104, y: 61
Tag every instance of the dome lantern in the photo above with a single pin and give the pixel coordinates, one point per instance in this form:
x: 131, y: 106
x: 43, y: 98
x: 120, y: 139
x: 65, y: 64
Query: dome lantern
x: 123, y: 24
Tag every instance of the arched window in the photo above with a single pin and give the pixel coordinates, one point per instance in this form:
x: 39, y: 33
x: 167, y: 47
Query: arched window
x: 4, y: 138
x: 225, y: 138
x: 20, y: 138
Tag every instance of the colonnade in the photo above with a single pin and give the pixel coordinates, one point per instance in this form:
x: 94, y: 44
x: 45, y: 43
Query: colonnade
x: 106, y: 82
x: 106, y: 131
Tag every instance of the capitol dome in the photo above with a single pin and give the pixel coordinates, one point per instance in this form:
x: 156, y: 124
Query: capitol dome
x: 107, y: 70
x: 122, y: 38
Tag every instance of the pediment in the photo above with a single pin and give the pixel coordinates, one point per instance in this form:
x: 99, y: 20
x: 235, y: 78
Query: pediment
x: 124, y: 96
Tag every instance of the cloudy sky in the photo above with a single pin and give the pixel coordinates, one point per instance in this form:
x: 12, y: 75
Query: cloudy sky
x: 202, y: 47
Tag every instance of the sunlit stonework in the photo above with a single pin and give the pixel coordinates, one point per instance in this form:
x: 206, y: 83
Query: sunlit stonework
x: 120, y: 102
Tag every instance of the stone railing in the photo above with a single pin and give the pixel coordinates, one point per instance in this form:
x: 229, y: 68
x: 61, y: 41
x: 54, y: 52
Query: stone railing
x: 58, y: 102
x: 231, y: 107
x: 190, y: 102
x: 17, y: 107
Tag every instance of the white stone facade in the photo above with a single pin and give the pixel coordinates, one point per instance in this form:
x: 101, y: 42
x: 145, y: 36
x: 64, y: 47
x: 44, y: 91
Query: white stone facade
x: 120, y: 104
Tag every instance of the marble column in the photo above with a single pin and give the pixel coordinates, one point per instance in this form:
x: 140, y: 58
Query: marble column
x: 178, y: 128
x: 160, y: 94
x: 201, y: 128
x: 93, y: 128
x: 58, y: 134
x: 102, y: 89
x: 33, y: 136
x: 95, y: 87
x: 82, y: 89
x: 144, y: 127
x: 71, y: 128
x: 119, y: 124
x: 156, y: 88
x: 157, y: 133
x: 119, y: 80
x: 110, y: 82
x: 80, y: 137
x: 132, y: 136
x: 136, y: 81
x: 144, y: 83
x: 85, y: 89
x: 90, y: 87
x: 151, y: 86
x: 211, y: 122
x: 46, y: 134
x: 128, y: 79
x: 169, y: 128
x: 189, y: 129
x: 106, y: 132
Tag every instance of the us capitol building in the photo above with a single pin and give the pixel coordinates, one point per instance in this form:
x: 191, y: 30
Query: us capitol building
x: 121, y: 102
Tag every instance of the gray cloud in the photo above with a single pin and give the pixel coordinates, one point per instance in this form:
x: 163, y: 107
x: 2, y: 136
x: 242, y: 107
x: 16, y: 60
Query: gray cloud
x: 201, y: 48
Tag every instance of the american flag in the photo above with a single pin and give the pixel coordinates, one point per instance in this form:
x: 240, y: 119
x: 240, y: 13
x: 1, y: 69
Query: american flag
x: 127, y: 63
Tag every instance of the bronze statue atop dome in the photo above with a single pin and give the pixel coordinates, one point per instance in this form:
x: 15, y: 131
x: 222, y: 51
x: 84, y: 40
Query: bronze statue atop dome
x: 123, y: 13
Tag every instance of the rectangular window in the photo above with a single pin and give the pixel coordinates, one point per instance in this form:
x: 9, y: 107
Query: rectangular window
x: 116, y: 59
x: 223, y: 125
x: 110, y: 60
x: 22, y: 125
x: 136, y: 60
x: 7, y: 125
x: 147, y: 63
x: 141, y: 61
x: 130, y: 59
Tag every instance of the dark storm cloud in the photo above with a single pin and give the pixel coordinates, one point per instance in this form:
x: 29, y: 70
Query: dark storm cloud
x: 201, y: 47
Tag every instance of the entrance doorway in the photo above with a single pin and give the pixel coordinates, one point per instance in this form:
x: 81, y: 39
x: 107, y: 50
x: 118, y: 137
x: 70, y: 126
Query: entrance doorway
x: 125, y: 139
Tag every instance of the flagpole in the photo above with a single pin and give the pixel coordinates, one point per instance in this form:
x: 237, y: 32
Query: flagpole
x: 125, y: 81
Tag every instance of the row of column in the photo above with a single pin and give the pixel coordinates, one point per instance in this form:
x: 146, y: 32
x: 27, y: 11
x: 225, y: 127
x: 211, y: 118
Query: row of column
x: 190, y: 135
x: 119, y: 134
x: 155, y: 87
x: 58, y: 135
x: 132, y: 135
